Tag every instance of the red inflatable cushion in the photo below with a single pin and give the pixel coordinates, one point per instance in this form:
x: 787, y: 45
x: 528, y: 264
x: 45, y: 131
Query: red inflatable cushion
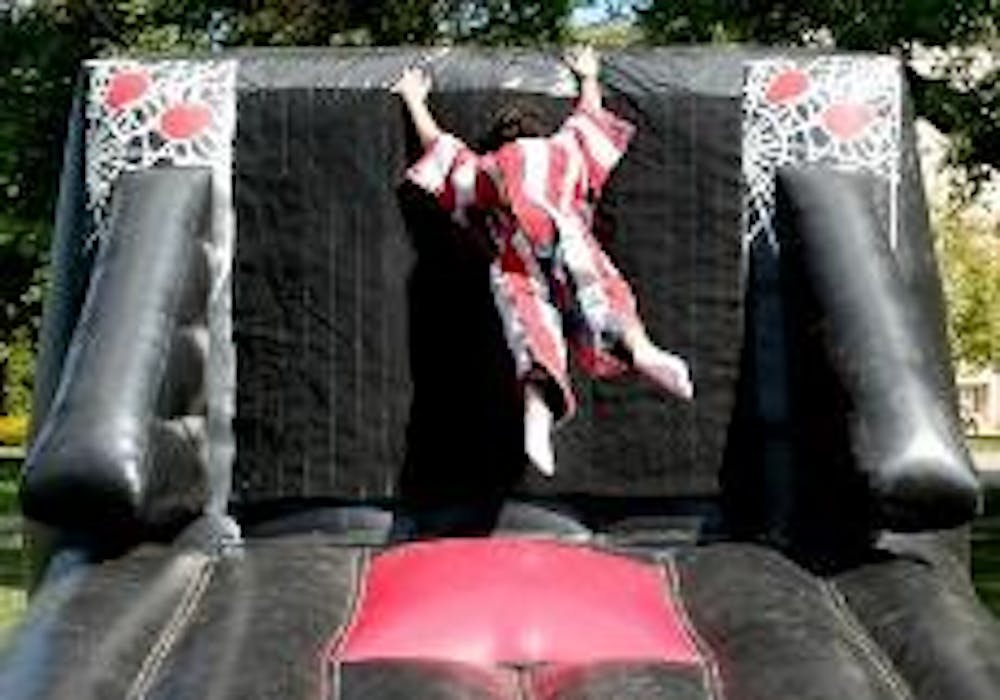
x: 511, y: 601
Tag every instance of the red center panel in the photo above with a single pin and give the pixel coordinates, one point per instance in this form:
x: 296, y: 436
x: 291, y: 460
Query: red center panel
x: 514, y: 601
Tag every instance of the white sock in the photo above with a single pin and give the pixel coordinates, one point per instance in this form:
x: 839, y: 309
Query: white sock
x: 664, y: 369
x: 538, y: 431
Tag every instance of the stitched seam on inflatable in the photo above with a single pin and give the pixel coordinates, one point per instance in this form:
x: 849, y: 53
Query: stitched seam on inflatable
x: 171, y: 633
x: 864, y: 644
x: 330, y: 665
x: 711, y: 679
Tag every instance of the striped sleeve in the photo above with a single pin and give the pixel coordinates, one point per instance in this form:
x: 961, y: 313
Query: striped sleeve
x: 453, y: 173
x: 603, y: 138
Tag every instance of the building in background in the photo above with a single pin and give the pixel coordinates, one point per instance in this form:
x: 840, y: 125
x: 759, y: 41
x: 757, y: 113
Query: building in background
x: 979, y: 401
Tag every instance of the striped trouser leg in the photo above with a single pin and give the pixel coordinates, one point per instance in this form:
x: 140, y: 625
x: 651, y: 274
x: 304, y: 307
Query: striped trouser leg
x: 602, y: 304
x: 532, y: 324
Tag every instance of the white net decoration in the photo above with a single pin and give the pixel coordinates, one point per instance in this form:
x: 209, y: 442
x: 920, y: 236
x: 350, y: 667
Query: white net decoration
x: 838, y: 111
x: 144, y: 114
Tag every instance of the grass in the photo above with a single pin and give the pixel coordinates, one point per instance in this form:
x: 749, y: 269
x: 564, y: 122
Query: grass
x: 986, y: 570
x: 13, y: 572
x: 986, y: 552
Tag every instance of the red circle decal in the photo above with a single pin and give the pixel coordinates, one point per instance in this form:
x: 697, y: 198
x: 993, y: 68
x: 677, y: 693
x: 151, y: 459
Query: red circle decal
x: 787, y: 86
x: 126, y: 87
x: 185, y: 120
x: 847, y: 120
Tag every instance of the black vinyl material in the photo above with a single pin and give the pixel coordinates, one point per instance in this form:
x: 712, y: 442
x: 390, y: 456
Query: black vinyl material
x: 161, y: 622
x: 123, y: 448
x: 917, y: 262
x: 631, y: 680
x: 926, y: 616
x: 435, y: 680
x: 904, y: 434
x: 422, y: 680
x: 94, y: 629
x: 262, y: 623
x: 778, y: 632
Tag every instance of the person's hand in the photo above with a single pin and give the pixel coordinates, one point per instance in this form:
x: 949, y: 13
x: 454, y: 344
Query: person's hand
x: 583, y: 61
x: 413, y: 85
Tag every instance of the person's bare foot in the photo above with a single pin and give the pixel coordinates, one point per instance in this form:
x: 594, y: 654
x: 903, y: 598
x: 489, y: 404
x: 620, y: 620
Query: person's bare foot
x: 662, y: 368
x: 538, y: 431
x: 666, y: 370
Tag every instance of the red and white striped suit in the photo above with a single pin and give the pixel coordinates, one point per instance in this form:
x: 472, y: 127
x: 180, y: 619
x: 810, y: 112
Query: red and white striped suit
x: 533, y: 195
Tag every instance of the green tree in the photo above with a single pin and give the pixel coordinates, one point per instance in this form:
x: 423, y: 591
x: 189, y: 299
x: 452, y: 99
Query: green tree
x: 969, y: 255
x: 37, y: 65
x: 961, y: 96
x: 507, y: 23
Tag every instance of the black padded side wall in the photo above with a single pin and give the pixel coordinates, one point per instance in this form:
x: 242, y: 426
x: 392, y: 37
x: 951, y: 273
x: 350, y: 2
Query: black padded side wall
x: 904, y: 434
x: 122, y: 447
x: 758, y: 477
x: 918, y: 268
x: 71, y: 262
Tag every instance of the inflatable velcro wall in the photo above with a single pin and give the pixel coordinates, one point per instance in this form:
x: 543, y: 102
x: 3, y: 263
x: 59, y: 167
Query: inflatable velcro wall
x: 278, y: 443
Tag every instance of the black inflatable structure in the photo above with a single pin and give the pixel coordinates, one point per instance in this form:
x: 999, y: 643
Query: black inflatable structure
x: 276, y: 445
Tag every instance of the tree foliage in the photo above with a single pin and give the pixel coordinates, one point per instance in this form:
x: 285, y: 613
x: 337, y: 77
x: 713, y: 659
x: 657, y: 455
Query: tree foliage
x: 969, y: 253
x: 957, y: 88
x: 37, y: 64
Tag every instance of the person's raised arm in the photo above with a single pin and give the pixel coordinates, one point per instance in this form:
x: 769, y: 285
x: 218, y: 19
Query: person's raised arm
x: 601, y: 136
x: 448, y: 169
x: 413, y: 86
x: 585, y: 64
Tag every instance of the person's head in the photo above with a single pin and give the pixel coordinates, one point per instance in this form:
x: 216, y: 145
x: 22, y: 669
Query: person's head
x: 512, y: 121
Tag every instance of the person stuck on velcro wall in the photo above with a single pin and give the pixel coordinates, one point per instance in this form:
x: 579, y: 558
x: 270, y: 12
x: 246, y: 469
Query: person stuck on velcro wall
x: 533, y: 194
